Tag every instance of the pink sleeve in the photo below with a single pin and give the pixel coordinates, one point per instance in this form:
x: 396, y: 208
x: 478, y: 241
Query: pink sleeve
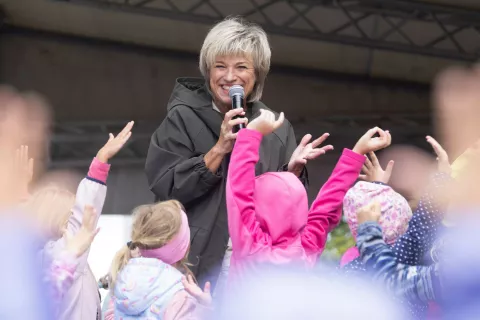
x: 349, y: 255
x: 326, y: 210
x: 243, y: 226
x: 185, y: 307
x: 60, y: 275
x: 98, y: 171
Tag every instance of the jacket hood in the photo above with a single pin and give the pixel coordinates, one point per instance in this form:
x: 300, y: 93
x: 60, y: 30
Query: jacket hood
x: 281, y: 205
x: 146, y: 284
x: 191, y: 92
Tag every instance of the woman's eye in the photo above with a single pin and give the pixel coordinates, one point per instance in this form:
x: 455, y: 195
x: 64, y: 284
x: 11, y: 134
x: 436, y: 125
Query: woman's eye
x: 219, y: 66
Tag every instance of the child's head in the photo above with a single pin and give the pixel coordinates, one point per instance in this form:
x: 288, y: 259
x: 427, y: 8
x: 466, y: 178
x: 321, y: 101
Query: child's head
x: 396, y: 212
x: 159, y: 231
x: 281, y: 205
x: 52, y: 206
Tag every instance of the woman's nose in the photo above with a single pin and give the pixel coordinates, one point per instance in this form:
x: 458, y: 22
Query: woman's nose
x: 230, y: 76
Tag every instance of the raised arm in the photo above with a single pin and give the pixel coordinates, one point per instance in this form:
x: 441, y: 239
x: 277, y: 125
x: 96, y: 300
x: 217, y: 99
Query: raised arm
x: 326, y: 210
x: 61, y: 272
x: 245, y: 231
x: 91, y: 192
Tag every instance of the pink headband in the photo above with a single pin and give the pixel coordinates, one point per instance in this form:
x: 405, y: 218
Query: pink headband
x: 175, y: 249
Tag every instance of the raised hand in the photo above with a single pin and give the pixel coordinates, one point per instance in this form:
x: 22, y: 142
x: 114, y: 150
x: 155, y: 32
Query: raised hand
x: 307, y: 151
x: 373, y: 171
x: 456, y: 97
x: 265, y: 123
x: 23, y: 170
x: 227, y: 136
x: 115, y: 144
x: 203, y: 297
x: 369, y: 213
x: 367, y: 143
x: 18, y: 113
x: 79, y: 243
x: 442, y: 156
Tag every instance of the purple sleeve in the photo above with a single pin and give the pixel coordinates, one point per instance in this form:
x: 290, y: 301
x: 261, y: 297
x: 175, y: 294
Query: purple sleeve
x: 60, y: 275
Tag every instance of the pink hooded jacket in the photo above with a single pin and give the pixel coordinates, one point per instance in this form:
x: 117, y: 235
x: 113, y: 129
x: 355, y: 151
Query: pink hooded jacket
x: 268, y: 216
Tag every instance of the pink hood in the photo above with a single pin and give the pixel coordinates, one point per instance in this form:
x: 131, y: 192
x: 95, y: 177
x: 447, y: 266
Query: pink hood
x: 281, y: 205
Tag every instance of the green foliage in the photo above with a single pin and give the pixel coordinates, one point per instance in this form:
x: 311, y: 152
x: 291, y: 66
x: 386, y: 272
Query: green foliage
x: 340, y: 239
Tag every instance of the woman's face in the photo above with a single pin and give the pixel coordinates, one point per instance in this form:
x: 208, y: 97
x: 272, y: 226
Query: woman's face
x: 228, y: 71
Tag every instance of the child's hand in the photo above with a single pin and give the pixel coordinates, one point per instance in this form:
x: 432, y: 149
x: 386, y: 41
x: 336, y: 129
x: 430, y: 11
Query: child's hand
x: 203, y: 297
x: 115, y: 144
x: 306, y: 151
x: 442, y: 156
x: 265, y: 123
x: 369, y: 213
x: 373, y: 170
x: 368, y: 143
x: 81, y: 241
x: 23, y: 170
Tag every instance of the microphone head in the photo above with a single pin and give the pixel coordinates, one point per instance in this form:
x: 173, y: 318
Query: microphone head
x: 236, y: 90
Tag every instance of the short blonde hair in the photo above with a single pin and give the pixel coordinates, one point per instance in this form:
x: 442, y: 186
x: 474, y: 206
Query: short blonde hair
x: 235, y: 36
x: 52, y: 205
x: 154, y: 225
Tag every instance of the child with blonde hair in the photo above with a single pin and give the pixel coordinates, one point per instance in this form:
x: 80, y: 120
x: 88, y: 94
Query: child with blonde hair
x: 154, y: 285
x: 61, y: 215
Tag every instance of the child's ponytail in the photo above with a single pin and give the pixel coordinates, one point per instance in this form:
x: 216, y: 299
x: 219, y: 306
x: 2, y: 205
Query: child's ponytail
x: 119, y: 262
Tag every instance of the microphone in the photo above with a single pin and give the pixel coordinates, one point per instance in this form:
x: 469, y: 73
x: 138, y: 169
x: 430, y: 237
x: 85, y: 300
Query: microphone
x: 237, y: 95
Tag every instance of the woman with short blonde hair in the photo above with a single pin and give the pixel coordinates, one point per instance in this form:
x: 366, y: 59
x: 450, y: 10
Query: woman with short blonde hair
x: 189, y: 153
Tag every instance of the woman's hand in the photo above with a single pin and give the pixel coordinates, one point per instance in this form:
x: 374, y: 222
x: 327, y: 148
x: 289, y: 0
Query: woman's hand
x: 373, y: 171
x: 307, y: 151
x: 367, y: 143
x: 203, y: 297
x: 227, y: 136
x: 115, y: 144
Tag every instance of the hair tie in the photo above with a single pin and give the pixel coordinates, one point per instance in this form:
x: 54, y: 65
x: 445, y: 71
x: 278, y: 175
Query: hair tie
x: 131, y: 245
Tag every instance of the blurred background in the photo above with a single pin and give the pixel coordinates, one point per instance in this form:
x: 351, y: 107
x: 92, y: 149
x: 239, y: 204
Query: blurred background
x: 338, y: 66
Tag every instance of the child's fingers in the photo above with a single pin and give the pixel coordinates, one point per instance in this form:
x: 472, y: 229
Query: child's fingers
x: 374, y: 159
x: 368, y: 164
x: 207, y: 287
x: 305, y: 140
x: 127, y: 129
x: 30, y: 165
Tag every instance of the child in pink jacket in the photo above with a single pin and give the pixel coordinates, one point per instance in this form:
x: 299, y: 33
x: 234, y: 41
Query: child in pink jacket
x: 268, y: 216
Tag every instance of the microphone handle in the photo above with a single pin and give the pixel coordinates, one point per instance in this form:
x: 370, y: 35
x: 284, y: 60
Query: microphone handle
x: 237, y: 103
